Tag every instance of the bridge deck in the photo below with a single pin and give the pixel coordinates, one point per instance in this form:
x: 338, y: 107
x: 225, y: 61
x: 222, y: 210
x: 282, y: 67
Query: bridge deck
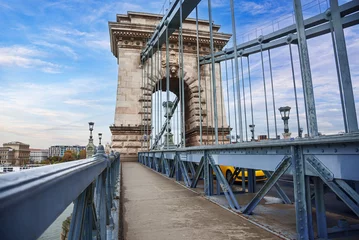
x: 158, y: 208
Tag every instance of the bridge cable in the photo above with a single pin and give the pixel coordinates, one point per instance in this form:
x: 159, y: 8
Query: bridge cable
x: 179, y: 119
x: 199, y: 80
x: 161, y: 91
x: 244, y: 100
x: 148, y: 105
x: 158, y: 91
x: 214, y: 93
x: 273, y: 99
x: 338, y: 73
x: 182, y: 78
x: 142, y: 106
x: 294, y: 88
x: 220, y: 78
x: 167, y: 82
x: 239, y: 105
x: 211, y: 102
x: 206, y: 96
x: 235, y: 102
x: 250, y: 95
x: 152, y: 102
x: 260, y: 39
x: 228, y: 109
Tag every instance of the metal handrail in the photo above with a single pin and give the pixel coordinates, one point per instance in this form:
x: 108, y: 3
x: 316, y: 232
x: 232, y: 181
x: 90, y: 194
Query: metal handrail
x: 31, y: 200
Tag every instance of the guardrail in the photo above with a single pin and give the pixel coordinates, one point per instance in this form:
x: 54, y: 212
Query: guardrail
x: 31, y: 200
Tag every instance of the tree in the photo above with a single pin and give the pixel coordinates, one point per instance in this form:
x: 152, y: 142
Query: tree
x: 54, y: 159
x: 69, y: 156
x: 82, y: 154
x: 47, y: 161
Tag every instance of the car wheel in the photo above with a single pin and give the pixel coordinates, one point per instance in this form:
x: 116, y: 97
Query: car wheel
x: 228, y: 175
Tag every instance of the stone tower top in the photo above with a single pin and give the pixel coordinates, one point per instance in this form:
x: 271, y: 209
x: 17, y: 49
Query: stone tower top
x: 132, y: 30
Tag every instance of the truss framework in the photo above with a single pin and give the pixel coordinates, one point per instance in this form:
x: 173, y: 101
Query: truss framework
x: 326, y: 162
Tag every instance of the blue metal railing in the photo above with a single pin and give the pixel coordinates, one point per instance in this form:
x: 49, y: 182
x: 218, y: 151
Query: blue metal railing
x: 31, y: 200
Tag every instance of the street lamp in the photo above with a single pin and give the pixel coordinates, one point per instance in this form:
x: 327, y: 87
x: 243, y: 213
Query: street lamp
x: 300, y: 132
x: 251, y: 127
x: 91, y: 124
x: 90, y: 148
x: 284, y: 112
x: 99, y: 137
x: 168, y: 136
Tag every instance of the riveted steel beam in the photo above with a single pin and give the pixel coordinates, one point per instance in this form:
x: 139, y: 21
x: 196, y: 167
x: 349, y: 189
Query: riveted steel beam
x: 173, y: 18
x: 341, y: 189
x: 198, y: 173
x: 281, y: 169
x: 279, y: 190
x: 315, y: 26
x: 227, y: 190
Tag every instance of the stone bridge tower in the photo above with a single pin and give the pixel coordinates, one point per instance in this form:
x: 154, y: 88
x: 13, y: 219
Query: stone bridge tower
x: 128, y: 36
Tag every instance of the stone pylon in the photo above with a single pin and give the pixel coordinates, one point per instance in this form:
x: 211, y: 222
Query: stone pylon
x: 128, y: 36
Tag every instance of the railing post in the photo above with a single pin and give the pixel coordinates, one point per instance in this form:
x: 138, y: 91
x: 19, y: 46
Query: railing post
x: 82, y: 216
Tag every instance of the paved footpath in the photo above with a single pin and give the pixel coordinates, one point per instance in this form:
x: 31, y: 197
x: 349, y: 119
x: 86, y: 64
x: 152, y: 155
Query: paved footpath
x: 158, y: 208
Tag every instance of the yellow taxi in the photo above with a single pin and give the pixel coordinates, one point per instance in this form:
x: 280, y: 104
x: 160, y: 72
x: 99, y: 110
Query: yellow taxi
x: 229, y: 170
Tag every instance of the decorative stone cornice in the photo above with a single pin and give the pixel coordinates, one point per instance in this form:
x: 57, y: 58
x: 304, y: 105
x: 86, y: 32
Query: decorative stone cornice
x: 132, y: 31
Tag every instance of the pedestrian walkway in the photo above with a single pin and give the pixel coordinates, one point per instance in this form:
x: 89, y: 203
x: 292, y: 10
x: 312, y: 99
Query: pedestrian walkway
x: 157, y: 208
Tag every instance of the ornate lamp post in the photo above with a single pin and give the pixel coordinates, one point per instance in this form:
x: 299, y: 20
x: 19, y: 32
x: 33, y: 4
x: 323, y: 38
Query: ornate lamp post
x: 100, y: 148
x: 228, y: 137
x: 99, y: 138
x: 251, y: 127
x: 90, y: 148
x: 284, y: 112
x: 168, y: 136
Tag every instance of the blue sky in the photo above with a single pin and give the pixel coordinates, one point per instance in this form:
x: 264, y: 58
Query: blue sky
x: 57, y: 71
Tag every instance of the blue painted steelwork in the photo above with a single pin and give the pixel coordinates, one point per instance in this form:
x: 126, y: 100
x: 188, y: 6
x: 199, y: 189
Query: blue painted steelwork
x: 300, y: 159
x: 31, y: 200
x: 331, y: 160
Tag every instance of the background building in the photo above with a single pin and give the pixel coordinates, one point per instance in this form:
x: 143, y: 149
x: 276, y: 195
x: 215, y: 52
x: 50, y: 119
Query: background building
x: 38, y: 155
x: 21, y: 152
x: 7, y: 156
x: 59, y: 150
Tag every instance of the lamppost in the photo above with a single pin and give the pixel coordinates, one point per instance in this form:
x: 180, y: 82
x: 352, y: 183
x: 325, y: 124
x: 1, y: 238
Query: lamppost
x: 99, y: 137
x: 145, y: 138
x: 284, y: 112
x: 251, y: 127
x: 90, y: 148
x: 228, y: 137
x: 168, y: 136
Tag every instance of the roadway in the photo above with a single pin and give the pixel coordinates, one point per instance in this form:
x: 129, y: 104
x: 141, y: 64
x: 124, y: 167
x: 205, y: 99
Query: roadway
x: 155, y: 207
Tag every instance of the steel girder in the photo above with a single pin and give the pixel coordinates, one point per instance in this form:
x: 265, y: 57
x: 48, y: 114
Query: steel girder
x: 303, y: 161
x: 315, y: 26
x: 171, y: 21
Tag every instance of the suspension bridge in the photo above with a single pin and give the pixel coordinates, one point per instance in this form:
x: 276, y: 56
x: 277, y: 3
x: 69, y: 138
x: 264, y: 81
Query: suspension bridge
x: 193, y: 103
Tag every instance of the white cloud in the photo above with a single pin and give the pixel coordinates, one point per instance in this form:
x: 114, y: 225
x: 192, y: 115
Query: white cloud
x: 27, y: 57
x: 5, y: 6
x: 49, y: 113
x: 64, y: 49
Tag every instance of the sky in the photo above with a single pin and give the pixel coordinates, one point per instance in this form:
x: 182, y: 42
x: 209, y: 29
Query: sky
x: 57, y: 71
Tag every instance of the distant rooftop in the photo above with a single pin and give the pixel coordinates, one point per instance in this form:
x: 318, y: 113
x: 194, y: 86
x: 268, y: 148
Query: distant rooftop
x: 5, y: 148
x: 15, y: 143
x: 38, y: 149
